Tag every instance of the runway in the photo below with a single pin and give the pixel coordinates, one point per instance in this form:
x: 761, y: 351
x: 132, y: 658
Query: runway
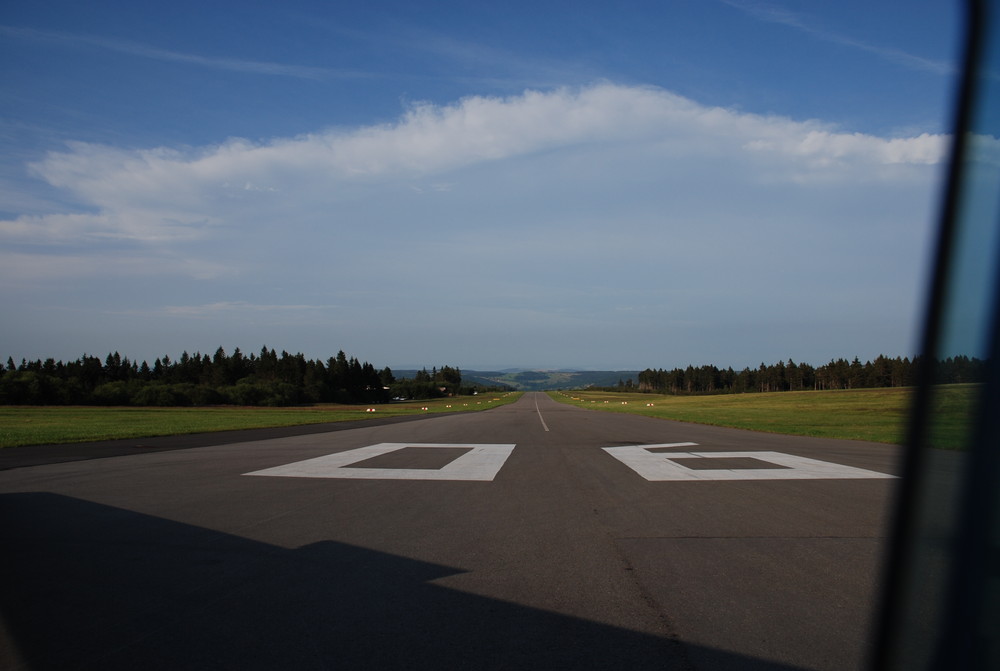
x: 531, y: 536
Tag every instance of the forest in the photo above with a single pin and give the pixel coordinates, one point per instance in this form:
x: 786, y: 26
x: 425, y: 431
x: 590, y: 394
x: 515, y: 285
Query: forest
x: 270, y: 379
x: 790, y: 376
x: 265, y: 379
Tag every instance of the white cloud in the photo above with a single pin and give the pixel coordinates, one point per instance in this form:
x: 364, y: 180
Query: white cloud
x: 171, y: 195
x: 516, y: 222
x: 825, y: 147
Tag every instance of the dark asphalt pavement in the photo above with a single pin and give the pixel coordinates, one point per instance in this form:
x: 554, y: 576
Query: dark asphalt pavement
x: 567, y: 559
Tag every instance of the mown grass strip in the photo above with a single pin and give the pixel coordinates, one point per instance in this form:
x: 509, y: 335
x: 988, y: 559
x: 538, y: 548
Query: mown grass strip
x: 37, y: 425
x: 878, y: 415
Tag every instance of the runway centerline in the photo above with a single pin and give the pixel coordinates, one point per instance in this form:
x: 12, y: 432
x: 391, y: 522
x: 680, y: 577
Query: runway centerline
x: 538, y: 410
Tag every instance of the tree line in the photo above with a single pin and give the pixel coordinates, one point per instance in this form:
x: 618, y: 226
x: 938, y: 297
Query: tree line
x: 266, y: 379
x: 790, y: 376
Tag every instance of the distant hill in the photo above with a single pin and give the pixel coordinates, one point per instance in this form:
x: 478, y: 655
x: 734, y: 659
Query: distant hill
x: 538, y: 380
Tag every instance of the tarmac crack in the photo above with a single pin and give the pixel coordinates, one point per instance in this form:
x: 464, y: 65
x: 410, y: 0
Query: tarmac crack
x: 669, y: 632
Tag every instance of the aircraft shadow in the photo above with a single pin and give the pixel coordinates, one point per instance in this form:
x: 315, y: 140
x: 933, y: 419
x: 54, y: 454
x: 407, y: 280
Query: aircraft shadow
x: 88, y: 586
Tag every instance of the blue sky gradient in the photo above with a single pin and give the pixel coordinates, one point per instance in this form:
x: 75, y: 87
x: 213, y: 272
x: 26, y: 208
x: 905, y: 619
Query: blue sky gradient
x: 545, y: 184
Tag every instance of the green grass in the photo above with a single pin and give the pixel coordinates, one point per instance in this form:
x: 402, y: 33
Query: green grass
x: 35, y: 425
x: 878, y: 415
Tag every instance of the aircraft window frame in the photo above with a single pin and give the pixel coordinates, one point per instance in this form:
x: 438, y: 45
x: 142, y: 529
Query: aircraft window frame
x: 941, y: 605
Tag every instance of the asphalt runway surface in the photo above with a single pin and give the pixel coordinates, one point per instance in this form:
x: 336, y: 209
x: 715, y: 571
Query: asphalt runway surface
x: 504, y: 539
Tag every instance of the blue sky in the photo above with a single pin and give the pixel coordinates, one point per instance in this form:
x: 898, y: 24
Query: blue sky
x: 544, y: 184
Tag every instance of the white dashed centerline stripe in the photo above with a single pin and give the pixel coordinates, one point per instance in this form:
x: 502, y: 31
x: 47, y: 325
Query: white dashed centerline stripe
x: 544, y: 426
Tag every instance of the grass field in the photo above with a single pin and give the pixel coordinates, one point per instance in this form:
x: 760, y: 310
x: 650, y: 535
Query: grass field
x: 34, y: 425
x: 878, y: 415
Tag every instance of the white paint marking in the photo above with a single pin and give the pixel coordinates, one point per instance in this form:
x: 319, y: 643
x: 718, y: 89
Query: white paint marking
x: 658, y: 467
x: 481, y: 463
x: 544, y: 425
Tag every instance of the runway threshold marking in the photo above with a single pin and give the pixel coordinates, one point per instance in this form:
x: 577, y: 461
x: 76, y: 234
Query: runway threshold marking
x: 670, y: 466
x: 482, y: 462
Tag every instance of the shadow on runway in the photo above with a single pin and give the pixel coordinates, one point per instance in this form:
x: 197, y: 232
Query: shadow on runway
x: 87, y: 586
x: 39, y: 455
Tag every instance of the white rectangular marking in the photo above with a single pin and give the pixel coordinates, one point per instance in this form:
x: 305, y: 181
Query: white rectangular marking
x: 481, y: 463
x: 658, y: 467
